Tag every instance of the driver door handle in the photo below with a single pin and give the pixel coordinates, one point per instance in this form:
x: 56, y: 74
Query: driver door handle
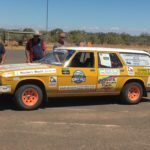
x: 92, y: 70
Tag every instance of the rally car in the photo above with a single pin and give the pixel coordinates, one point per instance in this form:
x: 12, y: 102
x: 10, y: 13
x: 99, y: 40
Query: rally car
x: 78, y: 71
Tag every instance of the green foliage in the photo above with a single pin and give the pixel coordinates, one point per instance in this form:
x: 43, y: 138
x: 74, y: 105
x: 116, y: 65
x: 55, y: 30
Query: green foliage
x: 77, y: 36
x: 28, y: 30
x: 2, y: 34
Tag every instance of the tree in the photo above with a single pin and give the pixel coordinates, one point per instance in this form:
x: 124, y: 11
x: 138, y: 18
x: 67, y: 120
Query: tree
x: 28, y: 30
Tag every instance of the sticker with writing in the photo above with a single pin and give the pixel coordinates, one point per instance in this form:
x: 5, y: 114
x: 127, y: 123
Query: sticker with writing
x: 107, y: 82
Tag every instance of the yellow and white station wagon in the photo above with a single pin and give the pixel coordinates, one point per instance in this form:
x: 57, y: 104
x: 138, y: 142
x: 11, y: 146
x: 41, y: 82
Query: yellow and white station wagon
x: 78, y: 71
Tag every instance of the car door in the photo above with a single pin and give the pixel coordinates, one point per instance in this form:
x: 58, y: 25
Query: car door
x: 80, y: 76
x: 111, y: 72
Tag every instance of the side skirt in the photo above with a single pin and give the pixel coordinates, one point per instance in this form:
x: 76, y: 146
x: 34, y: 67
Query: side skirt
x: 84, y: 94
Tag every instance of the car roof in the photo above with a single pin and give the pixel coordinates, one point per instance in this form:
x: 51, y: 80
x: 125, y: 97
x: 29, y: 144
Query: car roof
x: 101, y: 49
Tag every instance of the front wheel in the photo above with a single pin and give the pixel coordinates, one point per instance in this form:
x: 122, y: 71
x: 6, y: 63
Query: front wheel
x: 132, y: 93
x: 28, y: 97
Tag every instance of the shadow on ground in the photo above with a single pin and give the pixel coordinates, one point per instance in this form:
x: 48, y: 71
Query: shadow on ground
x: 7, y: 103
x: 80, y: 101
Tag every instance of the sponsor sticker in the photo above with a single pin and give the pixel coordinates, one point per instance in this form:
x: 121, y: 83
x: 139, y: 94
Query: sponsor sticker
x: 65, y: 71
x: 107, y: 82
x: 105, y: 59
x: 108, y: 71
x: 5, y: 89
x: 147, y: 67
x: 143, y: 72
x: 136, y: 59
x: 81, y: 87
x: 130, y: 71
x: 52, y: 81
x: 36, y: 71
x: 78, y: 77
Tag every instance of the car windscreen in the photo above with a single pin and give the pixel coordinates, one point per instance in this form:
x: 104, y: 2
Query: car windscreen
x: 57, y: 57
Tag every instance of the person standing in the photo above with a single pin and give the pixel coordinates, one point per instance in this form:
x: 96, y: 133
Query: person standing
x: 2, y: 52
x: 35, y: 48
x: 61, y: 41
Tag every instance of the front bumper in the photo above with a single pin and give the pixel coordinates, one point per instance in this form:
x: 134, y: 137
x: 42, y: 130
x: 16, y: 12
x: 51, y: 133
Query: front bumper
x: 5, y: 89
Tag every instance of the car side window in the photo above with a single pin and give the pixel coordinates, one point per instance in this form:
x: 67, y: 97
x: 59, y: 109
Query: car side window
x: 83, y: 60
x: 109, y: 60
x: 136, y: 59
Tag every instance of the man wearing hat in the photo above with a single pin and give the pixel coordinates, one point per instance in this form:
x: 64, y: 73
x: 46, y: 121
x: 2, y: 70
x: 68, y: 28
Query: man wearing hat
x: 61, y: 41
x: 35, y: 48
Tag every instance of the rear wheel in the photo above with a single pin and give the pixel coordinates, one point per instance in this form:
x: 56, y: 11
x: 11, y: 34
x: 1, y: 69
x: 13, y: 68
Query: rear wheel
x: 132, y: 93
x: 28, y: 97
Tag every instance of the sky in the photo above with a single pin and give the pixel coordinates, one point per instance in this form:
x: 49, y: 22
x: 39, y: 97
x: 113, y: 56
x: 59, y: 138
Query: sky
x: 131, y: 16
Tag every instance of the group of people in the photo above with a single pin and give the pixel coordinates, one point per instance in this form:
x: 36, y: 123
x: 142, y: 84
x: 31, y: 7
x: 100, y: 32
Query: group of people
x: 35, y: 47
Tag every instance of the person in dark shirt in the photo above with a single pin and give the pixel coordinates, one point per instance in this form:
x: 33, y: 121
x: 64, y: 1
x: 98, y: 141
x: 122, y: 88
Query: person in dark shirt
x: 2, y: 52
x: 35, y: 48
x: 61, y: 41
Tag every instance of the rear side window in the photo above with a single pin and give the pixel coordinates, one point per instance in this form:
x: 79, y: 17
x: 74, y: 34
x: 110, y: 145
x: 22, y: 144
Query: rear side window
x: 109, y: 60
x: 132, y: 59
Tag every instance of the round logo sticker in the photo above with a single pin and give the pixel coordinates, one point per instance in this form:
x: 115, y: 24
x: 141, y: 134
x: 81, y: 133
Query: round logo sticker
x: 78, y: 77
